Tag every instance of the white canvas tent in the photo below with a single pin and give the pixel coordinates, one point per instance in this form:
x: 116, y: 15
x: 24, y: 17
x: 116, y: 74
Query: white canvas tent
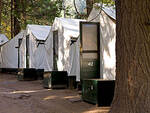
x: 107, y: 18
x: 39, y: 56
x: 68, y: 55
x: 9, y: 52
x: 3, y: 40
x: 37, y: 45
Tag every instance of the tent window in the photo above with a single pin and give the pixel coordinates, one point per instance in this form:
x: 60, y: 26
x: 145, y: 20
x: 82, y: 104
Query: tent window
x: 73, y: 40
x: 55, y: 49
x: 40, y: 42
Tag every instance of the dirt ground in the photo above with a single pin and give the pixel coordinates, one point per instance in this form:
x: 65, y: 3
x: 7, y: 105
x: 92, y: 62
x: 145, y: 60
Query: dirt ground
x: 30, y: 97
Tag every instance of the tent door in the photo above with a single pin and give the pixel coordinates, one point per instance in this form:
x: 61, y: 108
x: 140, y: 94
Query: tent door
x: 89, y: 50
x: 55, y: 50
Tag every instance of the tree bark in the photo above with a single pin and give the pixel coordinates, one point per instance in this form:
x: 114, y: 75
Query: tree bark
x: 17, y: 11
x: 0, y: 13
x: 132, y: 92
x: 24, y: 5
x: 12, y: 19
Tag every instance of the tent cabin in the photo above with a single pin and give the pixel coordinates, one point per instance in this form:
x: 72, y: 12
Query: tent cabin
x: 3, y: 40
x: 38, y: 53
x: 107, y: 18
x: 66, y: 44
x: 28, y: 49
x: 103, y: 88
x: 9, y: 53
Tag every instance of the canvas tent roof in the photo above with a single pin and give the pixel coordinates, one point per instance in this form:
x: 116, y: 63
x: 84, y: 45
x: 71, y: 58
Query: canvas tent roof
x: 3, y: 39
x: 40, y: 32
x: 71, y: 26
x: 109, y: 10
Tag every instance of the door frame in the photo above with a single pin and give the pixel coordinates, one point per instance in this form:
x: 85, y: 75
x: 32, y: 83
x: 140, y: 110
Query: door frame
x: 90, y: 51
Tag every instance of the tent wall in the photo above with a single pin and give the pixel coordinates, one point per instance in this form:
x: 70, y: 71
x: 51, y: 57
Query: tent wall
x: 107, y: 43
x: 32, y: 49
x: 75, y: 59
x: 9, y: 52
x: 40, y: 55
x: 57, y: 26
x: 22, y: 52
x: 49, y: 51
x: 3, y: 40
x: 68, y: 55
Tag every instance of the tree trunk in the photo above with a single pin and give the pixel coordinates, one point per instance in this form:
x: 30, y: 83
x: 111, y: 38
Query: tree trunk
x: 17, y: 11
x: 132, y: 92
x: 24, y: 5
x: 12, y: 19
x: 0, y: 13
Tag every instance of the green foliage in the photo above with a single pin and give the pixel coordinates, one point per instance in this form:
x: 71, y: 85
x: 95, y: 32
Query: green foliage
x: 6, y: 18
x: 106, y: 2
x: 41, y: 12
